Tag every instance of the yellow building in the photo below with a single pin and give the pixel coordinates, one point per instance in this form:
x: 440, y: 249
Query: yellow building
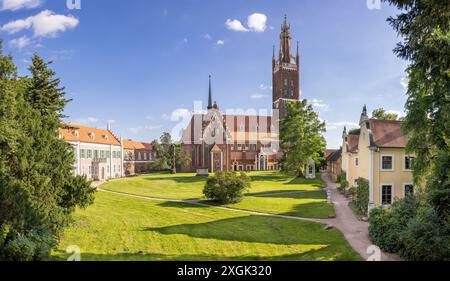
x: 380, y: 157
x: 350, y: 160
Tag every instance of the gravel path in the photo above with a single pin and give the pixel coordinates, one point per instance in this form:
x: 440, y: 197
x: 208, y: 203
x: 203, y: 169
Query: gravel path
x: 355, y: 231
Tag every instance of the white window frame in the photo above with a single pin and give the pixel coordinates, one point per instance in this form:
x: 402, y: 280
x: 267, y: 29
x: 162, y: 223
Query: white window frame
x: 404, y: 188
x: 404, y: 162
x: 393, y: 162
x: 392, y: 196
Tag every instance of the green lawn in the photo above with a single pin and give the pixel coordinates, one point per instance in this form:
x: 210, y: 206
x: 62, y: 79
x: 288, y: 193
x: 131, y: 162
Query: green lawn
x: 307, y: 205
x: 117, y: 227
x: 188, y: 186
x: 271, y: 192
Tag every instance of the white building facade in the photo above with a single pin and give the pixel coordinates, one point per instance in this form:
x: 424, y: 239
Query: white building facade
x: 98, y: 153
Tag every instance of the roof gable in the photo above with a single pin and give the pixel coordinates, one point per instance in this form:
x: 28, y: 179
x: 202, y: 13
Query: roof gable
x: 388, y: 134
x: 89, y: 135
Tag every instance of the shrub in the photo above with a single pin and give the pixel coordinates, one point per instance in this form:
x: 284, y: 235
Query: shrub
x: 362, y: 196
x: 343, y: 184
x: 426, y: 238
x: 387, y: 225
x: 44, y: 243
x: 19, y: 249
x: 341, y: 177
x: 352, y: 191
x: 34, y: 246
x: 227, y: 187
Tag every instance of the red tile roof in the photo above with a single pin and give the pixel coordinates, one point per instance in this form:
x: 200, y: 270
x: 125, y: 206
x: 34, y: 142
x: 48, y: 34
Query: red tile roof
x: 387, y: 134
x: 136, y: 145
x: 89, y: 134
x: 328, y: 152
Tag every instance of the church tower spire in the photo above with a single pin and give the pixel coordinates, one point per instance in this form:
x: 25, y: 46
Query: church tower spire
x: 285, y: 42
x: 286, y: 72
x: 210, y: 103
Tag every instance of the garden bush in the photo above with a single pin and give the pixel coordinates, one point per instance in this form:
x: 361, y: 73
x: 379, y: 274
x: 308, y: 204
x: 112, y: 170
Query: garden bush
x: 388, y: 225
x: 362, y: 196
x: 426, y: 238
x: 227, y: 187
x: 34, y: 246
x: 19, y: 249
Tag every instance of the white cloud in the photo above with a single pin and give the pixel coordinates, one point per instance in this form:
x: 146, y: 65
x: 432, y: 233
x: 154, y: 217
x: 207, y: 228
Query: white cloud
x: 257, y: 22
x: 14, y: 5
x: 89, y: 120
x: 319, y: 104
x: 235, y: 25
x: 177, y: 115
x: 265, y: 87
x: 141, y: 129
x: 44, y: 24
x: 220, y: 42
x: 207, y: 36
x: 20, y: 43
x: 258, y: 96
x: 404, y: 81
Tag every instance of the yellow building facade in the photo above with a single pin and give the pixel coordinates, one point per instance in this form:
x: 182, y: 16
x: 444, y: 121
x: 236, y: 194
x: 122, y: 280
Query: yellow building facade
x: 380, y: 158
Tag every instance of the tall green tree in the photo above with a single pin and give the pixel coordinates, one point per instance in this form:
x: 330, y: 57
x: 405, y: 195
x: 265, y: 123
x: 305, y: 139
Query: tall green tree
x: 382, y: 114
x: 301, y: 137
x: 39, y: 191
x: 170, y: 155
x: 425, y: 28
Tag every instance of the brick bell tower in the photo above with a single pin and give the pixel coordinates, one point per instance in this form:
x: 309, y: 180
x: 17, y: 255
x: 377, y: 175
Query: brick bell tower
x: 285, y: 72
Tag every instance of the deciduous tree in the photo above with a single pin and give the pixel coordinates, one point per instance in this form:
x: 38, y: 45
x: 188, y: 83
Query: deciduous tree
x: 301, y: 137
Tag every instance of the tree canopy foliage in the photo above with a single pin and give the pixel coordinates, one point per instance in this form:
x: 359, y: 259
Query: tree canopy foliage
x: 382, y: 114
x: 38, y: 190
x: 170, y: 155
x: 301, y: 137
x: 425, y: 29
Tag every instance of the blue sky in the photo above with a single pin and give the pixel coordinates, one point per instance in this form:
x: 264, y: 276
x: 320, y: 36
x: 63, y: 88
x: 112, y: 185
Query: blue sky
x: 143, y: 63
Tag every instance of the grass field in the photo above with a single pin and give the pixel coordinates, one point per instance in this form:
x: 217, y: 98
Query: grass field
x: 117, y: 227
x: 271, y: 192
x: 188, y: 186
x: 307, y: 205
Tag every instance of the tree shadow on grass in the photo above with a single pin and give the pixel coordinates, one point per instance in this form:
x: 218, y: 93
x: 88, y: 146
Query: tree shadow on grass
x: 300, y: 194
x: 325, y: 253
x: 192, y: 179
x: 256, y: 229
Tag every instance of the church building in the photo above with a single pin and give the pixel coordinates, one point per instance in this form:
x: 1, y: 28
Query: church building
x: 219, y: 142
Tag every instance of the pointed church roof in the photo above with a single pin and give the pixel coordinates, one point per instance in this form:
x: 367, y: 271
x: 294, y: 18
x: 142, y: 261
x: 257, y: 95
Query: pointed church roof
x: 210, y: 102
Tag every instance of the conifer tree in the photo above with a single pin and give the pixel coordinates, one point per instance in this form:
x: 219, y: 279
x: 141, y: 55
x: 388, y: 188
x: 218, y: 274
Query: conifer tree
x: 38, y: 190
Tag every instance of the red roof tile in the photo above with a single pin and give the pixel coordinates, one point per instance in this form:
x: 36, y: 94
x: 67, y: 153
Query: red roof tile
x: 388, y: 134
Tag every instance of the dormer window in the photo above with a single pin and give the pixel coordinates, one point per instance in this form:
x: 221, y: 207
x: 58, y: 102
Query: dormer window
x: 76, y: 133
x: 91, y: 135
x: 105, y: 137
